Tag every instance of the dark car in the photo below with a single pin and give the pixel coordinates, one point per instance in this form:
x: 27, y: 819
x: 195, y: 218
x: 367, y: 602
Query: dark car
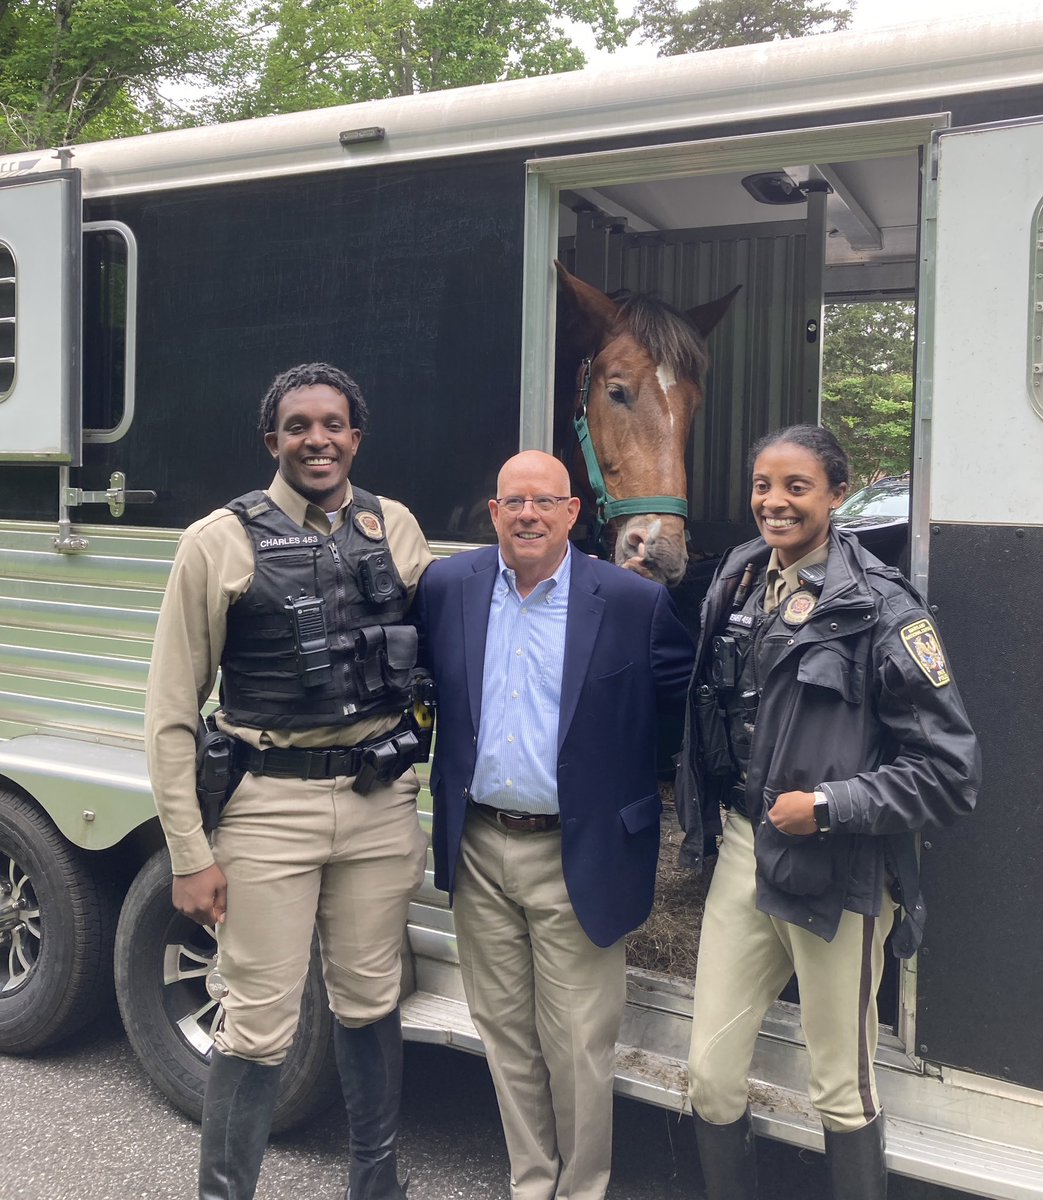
x: 879, y: 514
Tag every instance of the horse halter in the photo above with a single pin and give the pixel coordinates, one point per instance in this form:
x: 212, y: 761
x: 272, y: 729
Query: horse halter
x: 607, y: 508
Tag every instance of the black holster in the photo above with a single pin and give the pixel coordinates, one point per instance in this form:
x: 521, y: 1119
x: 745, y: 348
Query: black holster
x: 216, y: 775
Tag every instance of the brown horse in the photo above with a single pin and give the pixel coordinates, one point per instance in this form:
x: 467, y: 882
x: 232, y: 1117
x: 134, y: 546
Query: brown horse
x: 642, y: 370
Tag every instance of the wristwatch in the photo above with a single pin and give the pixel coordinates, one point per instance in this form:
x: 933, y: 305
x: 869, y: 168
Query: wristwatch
x: 822, y: 812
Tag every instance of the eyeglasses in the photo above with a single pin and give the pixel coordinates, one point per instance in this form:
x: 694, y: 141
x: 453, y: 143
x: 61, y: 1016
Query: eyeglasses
x: 543, y: 504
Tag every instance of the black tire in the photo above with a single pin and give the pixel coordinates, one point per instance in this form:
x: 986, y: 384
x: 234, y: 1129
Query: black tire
x: 162, y: 961
x: 57, y: 924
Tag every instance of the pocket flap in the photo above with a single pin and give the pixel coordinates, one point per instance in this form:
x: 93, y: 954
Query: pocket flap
x: 828, y: 667
x: 401, y: 646
x: 800, y: 865
x: 641, y: 813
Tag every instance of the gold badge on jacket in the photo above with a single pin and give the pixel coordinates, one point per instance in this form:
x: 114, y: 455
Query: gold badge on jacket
x: 925, y: 650
x: 798, y: 606
x: 368, y: 524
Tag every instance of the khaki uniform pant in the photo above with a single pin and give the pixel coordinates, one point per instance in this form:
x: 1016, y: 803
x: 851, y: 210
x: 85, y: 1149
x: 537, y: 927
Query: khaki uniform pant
x: 301, y: 855
x: 745, y: 960
x: 547, y: 1003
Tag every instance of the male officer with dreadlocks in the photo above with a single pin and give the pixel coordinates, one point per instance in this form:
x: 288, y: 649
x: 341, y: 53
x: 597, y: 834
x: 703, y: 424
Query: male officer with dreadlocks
x: 298, y: 593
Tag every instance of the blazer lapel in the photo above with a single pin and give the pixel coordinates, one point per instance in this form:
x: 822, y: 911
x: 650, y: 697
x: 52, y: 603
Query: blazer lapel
x: 581, y: 630
x: 477, y: 596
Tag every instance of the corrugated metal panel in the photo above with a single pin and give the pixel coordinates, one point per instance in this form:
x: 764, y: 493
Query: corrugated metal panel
x: 76, y: 630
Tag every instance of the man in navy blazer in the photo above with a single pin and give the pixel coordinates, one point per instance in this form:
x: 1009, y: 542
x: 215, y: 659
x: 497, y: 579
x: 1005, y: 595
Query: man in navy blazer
x: 553, y: 672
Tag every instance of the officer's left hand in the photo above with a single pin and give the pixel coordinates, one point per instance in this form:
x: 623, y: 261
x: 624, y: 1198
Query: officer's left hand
x: 794, y: 813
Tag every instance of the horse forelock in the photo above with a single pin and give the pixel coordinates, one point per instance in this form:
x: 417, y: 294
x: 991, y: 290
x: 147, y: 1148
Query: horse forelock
x: 666, y: 335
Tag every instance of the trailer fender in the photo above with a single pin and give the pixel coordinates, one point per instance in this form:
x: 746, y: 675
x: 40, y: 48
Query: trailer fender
x: 94, y: 793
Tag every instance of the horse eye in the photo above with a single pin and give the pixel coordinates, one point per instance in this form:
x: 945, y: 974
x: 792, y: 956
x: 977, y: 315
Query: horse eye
x: 617, y: 393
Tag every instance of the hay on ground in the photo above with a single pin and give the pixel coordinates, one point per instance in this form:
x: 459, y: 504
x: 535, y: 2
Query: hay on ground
x: 668, y: 942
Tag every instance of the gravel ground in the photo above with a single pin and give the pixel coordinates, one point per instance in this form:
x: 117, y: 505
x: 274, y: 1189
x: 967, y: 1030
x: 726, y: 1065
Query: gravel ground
x: 81, y: 1122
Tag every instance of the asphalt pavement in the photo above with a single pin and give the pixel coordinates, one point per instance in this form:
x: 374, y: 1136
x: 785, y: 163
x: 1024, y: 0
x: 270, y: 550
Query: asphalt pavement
x: 82, y: 1122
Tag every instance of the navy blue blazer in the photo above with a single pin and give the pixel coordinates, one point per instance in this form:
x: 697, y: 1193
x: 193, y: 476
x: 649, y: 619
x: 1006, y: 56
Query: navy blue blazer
x: 627, y: 664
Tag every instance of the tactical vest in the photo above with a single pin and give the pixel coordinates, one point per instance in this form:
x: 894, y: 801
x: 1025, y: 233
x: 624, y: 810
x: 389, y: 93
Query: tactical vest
x: 307, y: 644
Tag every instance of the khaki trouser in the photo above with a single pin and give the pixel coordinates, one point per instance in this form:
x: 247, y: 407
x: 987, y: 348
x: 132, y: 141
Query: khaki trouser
x: 548, y: 1004
x: 301, y: 855
x: 745, y: 960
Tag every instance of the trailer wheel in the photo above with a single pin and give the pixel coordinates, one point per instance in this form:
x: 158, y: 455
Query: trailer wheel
x: 163, y: 960
x: 57, y: 923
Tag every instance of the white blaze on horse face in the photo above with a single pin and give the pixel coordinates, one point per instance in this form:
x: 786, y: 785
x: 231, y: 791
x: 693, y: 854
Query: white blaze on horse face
x: 667, y: 379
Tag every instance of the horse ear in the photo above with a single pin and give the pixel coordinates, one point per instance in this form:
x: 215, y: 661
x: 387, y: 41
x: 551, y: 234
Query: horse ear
x: 705, y: 317
x: 587, y: 314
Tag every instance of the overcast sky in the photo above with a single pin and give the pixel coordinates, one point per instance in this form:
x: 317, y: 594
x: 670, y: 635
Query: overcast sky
x: 868, y: 14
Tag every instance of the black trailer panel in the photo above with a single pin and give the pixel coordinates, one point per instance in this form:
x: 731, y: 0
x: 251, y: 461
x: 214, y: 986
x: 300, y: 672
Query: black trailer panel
x: 409, y: 278
x: 980, y: 967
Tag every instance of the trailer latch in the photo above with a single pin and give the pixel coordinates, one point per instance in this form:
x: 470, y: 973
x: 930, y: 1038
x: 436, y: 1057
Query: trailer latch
x: 115, y: 495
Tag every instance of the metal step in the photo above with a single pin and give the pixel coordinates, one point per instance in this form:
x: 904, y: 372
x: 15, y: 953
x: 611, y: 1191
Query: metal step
x: 954, y: 1160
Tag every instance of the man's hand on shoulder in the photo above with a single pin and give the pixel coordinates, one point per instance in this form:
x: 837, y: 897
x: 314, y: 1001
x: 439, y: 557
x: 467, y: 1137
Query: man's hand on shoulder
x: 202, y: 895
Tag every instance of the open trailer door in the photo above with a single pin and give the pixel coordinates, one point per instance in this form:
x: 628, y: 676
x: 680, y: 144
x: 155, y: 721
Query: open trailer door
x: 978, y: 519
x: 40, y: 318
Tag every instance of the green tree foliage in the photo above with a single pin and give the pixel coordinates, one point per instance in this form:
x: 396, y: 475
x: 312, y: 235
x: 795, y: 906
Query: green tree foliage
x: 72, y: 70
x: 867, y: 385
x: 679, y: 28
x: 79, y: 70
x: 322, y: 52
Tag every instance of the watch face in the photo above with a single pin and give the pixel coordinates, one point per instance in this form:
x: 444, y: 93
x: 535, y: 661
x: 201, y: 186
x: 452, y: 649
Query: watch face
x: 822, y: 815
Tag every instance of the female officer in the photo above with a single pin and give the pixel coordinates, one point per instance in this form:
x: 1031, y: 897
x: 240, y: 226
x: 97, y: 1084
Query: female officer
x: 822, y: 715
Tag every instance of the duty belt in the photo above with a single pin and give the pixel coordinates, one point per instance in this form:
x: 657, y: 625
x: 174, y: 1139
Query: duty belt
x: 736, y: 799
x: 298, y: 764
x: 377, y: 760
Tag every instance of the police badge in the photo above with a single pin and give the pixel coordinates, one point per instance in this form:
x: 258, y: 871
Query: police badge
x: 368, y: 524
x: 798, y: 606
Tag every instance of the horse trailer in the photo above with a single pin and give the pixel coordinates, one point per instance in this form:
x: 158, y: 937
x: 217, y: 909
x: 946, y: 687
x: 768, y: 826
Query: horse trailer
x: 151, y: 287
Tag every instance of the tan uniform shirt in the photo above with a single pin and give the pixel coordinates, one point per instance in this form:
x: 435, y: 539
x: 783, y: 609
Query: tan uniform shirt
x: 212, y: 569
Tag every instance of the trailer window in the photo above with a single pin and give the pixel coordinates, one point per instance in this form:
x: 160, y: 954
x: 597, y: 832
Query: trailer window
x: 105, y: 328
x: 7, y: 320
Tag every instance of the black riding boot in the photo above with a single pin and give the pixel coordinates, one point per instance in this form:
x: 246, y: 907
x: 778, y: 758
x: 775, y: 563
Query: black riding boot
x: 728, y: 1157
x: 369, y: 1060
x: 237, y: 1115
x: 855, y: 1162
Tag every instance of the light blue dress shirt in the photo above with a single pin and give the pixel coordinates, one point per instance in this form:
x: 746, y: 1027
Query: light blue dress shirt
x: 517, y: 764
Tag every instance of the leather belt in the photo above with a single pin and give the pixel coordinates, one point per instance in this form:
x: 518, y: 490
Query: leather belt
x: 520, y: 822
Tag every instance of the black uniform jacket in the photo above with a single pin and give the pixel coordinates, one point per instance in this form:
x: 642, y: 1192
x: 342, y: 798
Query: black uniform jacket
x: 859, y: 703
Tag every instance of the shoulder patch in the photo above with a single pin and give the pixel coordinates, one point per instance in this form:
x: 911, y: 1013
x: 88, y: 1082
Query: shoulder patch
x: 925, y: 650
x: 369, y: 525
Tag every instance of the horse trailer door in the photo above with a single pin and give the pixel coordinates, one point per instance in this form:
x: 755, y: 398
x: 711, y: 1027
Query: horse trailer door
x: 978, y: 544
x: 40, y: 319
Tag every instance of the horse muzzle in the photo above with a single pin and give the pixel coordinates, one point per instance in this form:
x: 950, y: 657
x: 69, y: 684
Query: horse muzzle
x: 653, y: 544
